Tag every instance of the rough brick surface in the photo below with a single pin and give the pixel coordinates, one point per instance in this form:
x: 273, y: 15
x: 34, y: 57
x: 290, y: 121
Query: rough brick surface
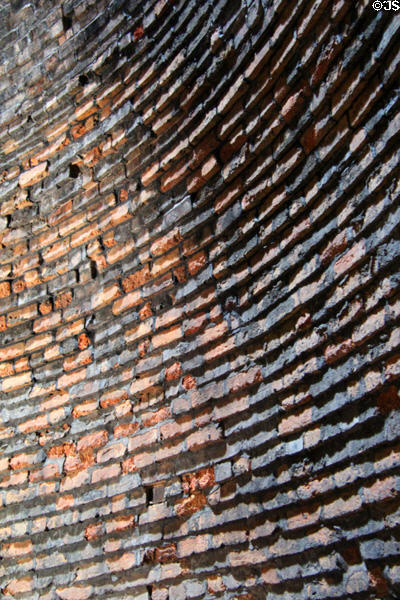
x: 199, y: 300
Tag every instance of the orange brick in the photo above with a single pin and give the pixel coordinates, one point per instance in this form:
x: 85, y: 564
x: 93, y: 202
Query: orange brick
x: 188, y: 506
x: 23, y: 314
x: 93, y: 440
x: 114, y: 397
x: 4, y: 289
x: 47, y: 322
x: 106, y: 296
x: 167, y: 337
x: 34, y: 175
x: 106, y: 473
x: 19, y: 586
x: 165, y: 243
x: 136, y: 279
x: 67, y: 380
x: 35, y: 424
x: 75, y: 592
x: 125, y: 429
x: 85, y: 408
x: 14, y: 549
x: 15, y: 382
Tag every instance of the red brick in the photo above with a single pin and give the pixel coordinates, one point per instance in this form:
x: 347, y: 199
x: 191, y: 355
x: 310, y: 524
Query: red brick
x: 110, y: 452
x: 243, y: 380
x: 173, y: 372
x: 67, y: 380
x: 80, y: 462
x: 128, y: 465
x: 215, y: 584
x: 80, y: 359
x: 292, y: 106
x: 334, y: 352
x: 188, y: 506
x: 125, y: 429
x: 200, y: 480
x: 23, y: 314
x: 152, y: 418
x: 342, y: 506
x: 113, y: 397
x: 196, y: 262
x: 120, y: 523
x: 85, y: 408
x: 136, y: 279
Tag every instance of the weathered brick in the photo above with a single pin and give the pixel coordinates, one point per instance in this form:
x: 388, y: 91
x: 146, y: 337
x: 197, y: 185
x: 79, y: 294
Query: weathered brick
x: 34, y: 175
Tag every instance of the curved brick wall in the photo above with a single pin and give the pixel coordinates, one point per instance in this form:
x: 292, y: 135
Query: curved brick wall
x: 199, y: 307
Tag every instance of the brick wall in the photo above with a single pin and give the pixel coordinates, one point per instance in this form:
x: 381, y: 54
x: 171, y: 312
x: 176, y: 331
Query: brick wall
x: 199, y: 310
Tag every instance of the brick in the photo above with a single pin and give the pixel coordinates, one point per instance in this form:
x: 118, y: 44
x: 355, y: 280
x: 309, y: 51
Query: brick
x: 47, y: 322
x: 126, y: 302
x: 351, y: 258
x: 69, y: 379
x: 136, y: 279
x: 106, y: 296
x: 122, y: 563
x: 152, y: 418
x: 188, y: 506
x: 114, y: 397
x: 32, y: 176
x: 203, y: 437
x: 106, y: 473
x: 110, y: 452
x: 173, y: 372
x: 85, y: 408
x: 19, y: 586
x: 34, y: 424
x: 342, y: 506
x: 167, y: 337
x: 165, y: 243
x: 23, y: 314
x: 120, y: 523
x: 16, y: 382
x: 14, y: 549
x: 336, y: 246
x: 246, y: 557
x: 93, y: 440
x: 5, y: 289
x: 75, y: 592
x: 381, y: 490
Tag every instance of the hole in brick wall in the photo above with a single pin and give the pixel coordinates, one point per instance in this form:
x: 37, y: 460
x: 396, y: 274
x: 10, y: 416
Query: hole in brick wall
x: 149, y: 494
x: 93, y: 269
x: 67, y: 21
x: 74, y: 171
x: 83, y: 80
